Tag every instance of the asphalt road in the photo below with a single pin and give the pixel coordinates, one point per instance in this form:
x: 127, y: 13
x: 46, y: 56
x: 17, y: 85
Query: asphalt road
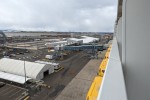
x: 58, y: 81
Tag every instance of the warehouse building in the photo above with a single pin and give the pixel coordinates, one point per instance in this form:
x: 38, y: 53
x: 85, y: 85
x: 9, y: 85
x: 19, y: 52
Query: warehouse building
x: 70, y: 41
x: 10, y: 68
x: 60, y: 45
x: 85, y: 39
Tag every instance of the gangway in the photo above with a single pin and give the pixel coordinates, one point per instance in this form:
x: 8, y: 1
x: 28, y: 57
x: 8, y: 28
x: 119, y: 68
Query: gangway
x: 83, y: 47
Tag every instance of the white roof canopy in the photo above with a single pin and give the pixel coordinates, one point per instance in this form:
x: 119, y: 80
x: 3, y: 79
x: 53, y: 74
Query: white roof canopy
x: 13, y: 77
x: 44, y: 62
x: 17, y: 67
x: 85, y: 39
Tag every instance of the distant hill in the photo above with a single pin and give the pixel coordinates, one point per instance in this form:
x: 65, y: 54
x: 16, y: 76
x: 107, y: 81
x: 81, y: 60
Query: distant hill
x: 10, y: 30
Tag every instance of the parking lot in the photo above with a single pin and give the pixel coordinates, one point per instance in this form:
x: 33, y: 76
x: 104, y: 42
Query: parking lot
x: 10, y: 92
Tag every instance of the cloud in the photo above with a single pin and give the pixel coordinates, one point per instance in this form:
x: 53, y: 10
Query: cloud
x: 58, y: 15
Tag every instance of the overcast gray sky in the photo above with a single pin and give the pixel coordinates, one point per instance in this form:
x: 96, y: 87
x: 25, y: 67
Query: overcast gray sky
x: 58, y: 15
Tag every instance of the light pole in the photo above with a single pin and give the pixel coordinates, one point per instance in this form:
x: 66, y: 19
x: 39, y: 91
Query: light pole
x: 24, y: 69
x: 24, y: 64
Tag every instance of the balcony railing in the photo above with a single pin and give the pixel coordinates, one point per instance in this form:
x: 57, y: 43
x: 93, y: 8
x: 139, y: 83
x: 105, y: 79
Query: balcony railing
x: 113, y: 84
